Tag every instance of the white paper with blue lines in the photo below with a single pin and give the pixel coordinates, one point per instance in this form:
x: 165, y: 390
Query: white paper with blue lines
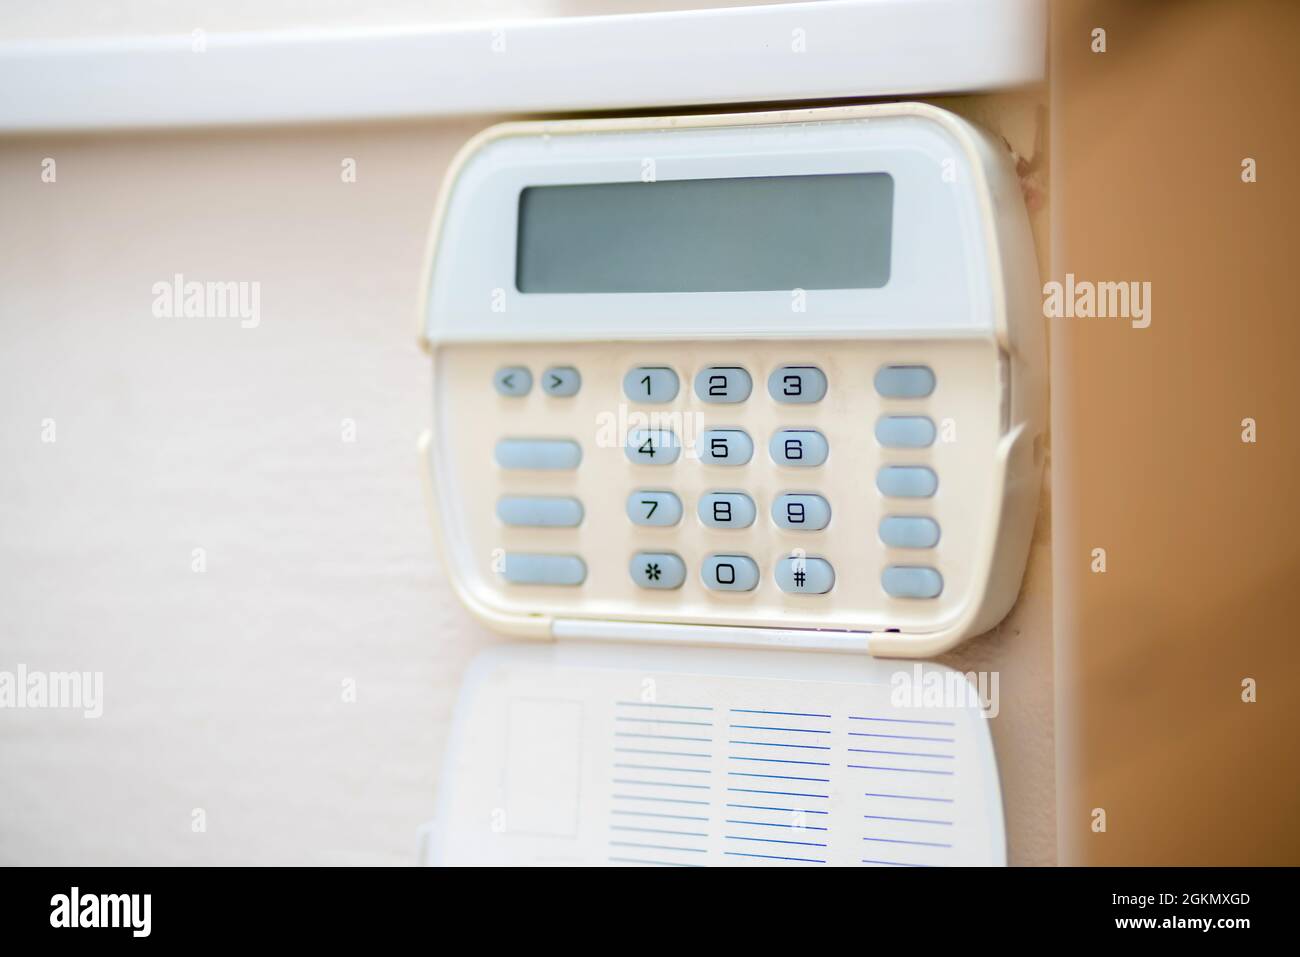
x: 643, y: 755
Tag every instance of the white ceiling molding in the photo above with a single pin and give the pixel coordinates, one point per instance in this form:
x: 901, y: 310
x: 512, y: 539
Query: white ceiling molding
x: 795, y: 51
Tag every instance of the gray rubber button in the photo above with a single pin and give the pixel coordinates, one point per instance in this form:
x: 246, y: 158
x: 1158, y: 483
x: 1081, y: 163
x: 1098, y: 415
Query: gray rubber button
x: 651, y: 384
x: 539, y: 511
x: 727, y: 510
x: 530, y: 568
x: 805, y: 576
x: 652, y: 447
x: 911, y: 581
x: 561, y: 381
x: 723, y: 384
x: 804, y: 448
x: 657, y: 570
x: 654, y: 508
x: 909, y: 531
x: 797, y: 384
x: 905, y: 431
x: 729, y: 573
x: 905, y: 382
x: 725, y: 447
x: 513, y: 381
x: 907, y: 481
x: 801, y: 513
x: 548, y: 454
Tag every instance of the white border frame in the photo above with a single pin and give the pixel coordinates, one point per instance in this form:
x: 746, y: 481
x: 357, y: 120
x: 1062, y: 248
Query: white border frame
x: 850, y: 48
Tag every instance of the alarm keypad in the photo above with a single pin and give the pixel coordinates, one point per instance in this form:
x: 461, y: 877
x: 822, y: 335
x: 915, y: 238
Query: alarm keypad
x: 715, y: 508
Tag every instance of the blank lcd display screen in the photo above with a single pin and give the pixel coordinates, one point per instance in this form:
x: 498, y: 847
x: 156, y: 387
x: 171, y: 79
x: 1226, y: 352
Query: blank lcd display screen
x: 707, y: 235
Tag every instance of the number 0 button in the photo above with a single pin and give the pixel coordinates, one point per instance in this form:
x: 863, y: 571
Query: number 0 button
x: 729, y: 573
x: 652, y: 384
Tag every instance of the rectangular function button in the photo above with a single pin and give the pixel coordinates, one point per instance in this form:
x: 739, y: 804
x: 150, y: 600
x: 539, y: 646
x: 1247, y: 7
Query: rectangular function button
x: 905, y: 382
x: 660, y: 570
x: 538, y: 454
x: 725, y: 447
x: 805, y: 576
x: 797, y: 384
x: 539, y: 511
x: 646, y: 507
x: 651, y: 384
x: 803, y: 448
x: 801, y: 513
x: 909, y: 531
x: 911, y: 581
x: 905, y: 431
x: 727, y: 510
x: 531, y: 568
x: 652, y: 447
x: 907, y: 481
x: 723, y: 384
x: 729, y: 573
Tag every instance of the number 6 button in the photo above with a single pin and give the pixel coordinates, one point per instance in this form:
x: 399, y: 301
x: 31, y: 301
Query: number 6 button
x: 804, y: 448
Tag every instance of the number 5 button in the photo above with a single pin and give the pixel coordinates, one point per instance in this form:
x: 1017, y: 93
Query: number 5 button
x: 725, y: 447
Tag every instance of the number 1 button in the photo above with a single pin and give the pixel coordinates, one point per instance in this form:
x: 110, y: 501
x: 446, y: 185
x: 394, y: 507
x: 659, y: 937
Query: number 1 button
x: 652, y: 384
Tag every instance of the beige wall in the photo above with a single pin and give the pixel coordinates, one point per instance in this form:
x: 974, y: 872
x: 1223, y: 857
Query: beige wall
x: 223, y: 688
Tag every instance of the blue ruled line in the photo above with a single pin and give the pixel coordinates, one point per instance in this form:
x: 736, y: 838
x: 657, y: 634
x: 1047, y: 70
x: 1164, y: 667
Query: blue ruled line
x: 950, y: 724
x: 876, y: 767
x: 772, y: 840
x: 891, y: 840
x: 793, y: 794
x: 775, y: 857
x: 679, y: 707
x: 909, y: 797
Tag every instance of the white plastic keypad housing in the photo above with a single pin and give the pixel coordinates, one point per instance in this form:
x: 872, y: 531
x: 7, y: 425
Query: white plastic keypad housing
x: 960, y: 301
